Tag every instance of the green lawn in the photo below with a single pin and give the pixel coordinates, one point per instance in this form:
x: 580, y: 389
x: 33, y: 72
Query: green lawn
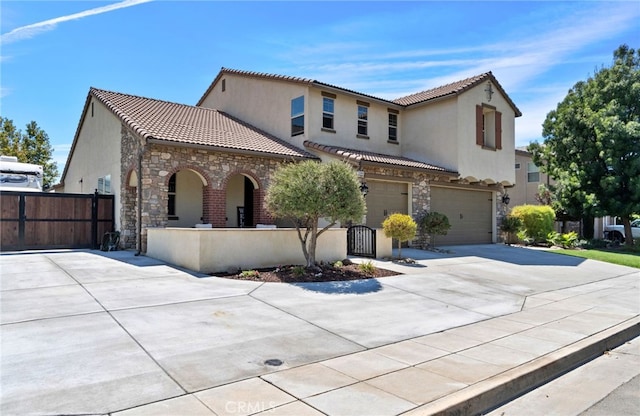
x: 615, y: 257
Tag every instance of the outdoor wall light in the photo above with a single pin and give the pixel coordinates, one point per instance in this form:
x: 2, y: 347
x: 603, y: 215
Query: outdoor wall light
x: 506, y: 199
x: 364, y: 189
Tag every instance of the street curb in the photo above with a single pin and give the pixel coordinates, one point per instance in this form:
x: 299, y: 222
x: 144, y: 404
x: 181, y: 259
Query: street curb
x: 488, y: 394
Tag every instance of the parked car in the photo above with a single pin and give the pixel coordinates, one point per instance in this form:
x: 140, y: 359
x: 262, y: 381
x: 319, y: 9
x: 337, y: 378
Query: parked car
x: 616, y: 232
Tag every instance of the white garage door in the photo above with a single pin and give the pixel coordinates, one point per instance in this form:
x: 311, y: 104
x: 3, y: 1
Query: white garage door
x: 469, y: 213
x: 384, y: 199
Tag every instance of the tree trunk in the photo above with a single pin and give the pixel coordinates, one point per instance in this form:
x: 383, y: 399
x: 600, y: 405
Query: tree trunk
x: 311, y: 256
x: 399, y: 249
x: 628, y: 236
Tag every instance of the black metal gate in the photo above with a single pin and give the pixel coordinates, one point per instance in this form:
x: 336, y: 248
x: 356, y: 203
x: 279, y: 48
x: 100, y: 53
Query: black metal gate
x: 361, y: 241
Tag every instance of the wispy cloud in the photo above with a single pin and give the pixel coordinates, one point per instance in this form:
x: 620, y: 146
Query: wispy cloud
x: 29, y: 31
x: 532, y: 53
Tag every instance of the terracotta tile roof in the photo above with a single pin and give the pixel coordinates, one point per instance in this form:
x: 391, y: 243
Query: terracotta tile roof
x: 185, y: 124
x: 377, y: 158
x: 455, y: 88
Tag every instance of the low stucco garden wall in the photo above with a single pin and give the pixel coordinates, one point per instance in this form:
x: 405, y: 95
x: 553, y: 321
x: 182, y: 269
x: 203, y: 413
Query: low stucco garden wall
x: 221, y: 249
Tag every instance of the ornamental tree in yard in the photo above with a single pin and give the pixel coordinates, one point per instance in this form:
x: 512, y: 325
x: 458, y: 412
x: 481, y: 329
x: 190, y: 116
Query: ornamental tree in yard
x: 401, y: 227
x: 592, y: 142
x: 308, y: 191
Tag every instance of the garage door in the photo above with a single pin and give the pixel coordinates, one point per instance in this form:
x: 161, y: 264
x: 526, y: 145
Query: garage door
x: 384, y: 199
x: 469, y: 213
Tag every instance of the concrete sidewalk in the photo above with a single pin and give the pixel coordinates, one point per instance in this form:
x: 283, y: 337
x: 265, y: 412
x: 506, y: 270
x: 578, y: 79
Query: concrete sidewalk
x: 109, y: 333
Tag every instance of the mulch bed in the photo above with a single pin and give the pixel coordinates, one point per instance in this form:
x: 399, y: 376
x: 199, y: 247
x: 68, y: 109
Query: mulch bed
x: 299, y: 274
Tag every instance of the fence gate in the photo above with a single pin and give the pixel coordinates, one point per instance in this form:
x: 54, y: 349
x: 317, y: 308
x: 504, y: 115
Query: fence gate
x: 39, y: 220
x: 361, y: 241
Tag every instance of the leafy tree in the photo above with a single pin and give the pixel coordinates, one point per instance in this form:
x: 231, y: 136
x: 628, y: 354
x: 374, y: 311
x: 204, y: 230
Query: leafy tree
x: 592, y: 143
x: 433, y: 223
x: 308, y: 191
x: 30, y: 147
x: 401, y: 227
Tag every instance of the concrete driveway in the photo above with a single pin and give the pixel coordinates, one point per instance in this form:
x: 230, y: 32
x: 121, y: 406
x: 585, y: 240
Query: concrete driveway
x: 87, y: 332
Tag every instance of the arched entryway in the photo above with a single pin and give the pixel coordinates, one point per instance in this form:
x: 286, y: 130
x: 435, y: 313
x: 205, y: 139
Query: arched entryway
x: 184, y: 203
x: 240, y: 201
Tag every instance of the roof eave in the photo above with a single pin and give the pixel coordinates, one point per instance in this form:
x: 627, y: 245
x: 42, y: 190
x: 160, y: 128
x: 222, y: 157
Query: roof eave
x: 153, y: 140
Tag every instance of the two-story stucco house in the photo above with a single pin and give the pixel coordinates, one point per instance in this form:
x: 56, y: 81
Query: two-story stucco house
x: 449, y: 149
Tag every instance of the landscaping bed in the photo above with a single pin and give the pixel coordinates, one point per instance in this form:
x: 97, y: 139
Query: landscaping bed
x: 322, y: 273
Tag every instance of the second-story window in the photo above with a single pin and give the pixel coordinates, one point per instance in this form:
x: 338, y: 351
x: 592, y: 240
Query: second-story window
x: 363, y: 120
x: 297, y: 116
x: 393, y: 127
x: 327, y: 113
x: 488, y: 127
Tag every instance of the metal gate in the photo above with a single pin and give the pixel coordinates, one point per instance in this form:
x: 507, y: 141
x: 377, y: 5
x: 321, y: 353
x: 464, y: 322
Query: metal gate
x: 39, y: 220
x: 361, y: 241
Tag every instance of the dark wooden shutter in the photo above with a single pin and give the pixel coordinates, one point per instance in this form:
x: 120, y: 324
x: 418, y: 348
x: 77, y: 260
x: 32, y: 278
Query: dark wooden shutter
x: 498, y: 130
x: 479, y: 123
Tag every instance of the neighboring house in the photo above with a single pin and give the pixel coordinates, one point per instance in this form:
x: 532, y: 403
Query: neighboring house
x: 449, y: 149
x: 528, y: 180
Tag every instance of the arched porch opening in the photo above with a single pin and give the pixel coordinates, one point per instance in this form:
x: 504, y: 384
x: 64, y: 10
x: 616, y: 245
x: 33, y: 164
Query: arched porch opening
x: 241, y: 201
x: 185, y: 198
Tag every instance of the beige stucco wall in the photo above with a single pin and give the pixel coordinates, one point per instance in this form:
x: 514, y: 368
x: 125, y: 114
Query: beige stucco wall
x: 444, y: 133
x: 474, y: 160
x: 215, y: 250
x: 346, y: 124
x: 524, y: 192
x: 263, y: 103
x: 96, y: 154
x: 429, y: 133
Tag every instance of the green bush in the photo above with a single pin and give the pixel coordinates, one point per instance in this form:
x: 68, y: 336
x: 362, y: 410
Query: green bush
x: 432, y: 224
x: 537, y: 220
x: 401, y: 227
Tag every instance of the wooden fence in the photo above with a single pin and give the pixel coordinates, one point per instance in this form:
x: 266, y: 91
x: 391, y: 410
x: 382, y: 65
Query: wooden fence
x: 35, y: 220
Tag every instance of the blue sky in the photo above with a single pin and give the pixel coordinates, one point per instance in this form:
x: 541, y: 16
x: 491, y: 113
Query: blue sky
x: 53, y: 51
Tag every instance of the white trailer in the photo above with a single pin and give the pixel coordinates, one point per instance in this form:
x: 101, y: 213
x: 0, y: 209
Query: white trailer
x: 18, y: 176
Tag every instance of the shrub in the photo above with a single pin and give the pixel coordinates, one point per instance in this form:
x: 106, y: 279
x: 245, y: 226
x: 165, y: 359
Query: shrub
x: 510, y: 226
x: 249, y: 273
x: 367, y: 268
x: 537, y: 220
x: 567, y: 240
x: 338, y: 264
x: 298, y: 271
x: 401, y: 227
x: 524, y: 237
x: 433, y: 223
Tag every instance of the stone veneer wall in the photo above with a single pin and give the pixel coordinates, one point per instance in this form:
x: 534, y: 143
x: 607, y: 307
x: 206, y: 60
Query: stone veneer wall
x: 161, y: 161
